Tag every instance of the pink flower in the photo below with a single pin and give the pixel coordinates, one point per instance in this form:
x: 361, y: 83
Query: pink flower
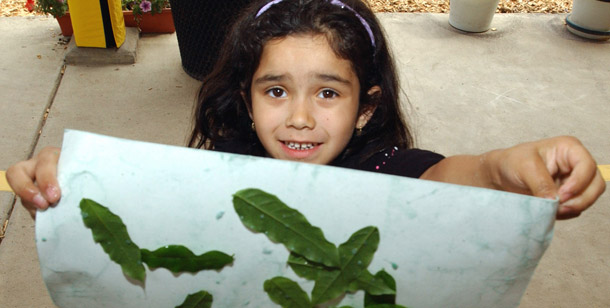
x: 145, y: 6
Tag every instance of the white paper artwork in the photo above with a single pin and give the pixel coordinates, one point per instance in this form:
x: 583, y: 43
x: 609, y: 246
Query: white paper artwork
x: 445, y: 245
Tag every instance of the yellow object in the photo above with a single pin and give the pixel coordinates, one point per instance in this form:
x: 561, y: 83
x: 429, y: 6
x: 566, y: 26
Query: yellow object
x: 97, y: 23
x: 3, y: 184
x: 605, y: 170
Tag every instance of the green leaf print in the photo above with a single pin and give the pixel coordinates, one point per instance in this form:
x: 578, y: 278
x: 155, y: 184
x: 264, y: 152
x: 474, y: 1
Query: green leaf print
x: 286, y: 293
x: 305, y: 268
x: 201, y: 299
x: 263, y: 212
x: 355, y: 254
x: 371, y: 298
x: 372, y: 285
x: 314, y: 258
x: 177, y: 258
x: 366, y: 281
x: 110, y: 232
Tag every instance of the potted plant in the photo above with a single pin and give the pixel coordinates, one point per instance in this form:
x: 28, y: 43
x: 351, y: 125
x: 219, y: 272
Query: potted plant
x: 590, y: 19
x: 59, y: 10
x: 137, y: 13
x: 472, y: 15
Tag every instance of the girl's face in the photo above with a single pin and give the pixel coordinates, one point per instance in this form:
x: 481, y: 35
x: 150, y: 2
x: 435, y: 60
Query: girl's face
x: 304, y: 100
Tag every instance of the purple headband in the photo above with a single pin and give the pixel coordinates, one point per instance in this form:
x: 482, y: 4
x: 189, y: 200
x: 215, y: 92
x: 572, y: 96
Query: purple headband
x: 334, y: 2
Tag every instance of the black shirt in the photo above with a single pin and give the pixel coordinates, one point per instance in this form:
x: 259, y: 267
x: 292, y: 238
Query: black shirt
x: 402, y: 162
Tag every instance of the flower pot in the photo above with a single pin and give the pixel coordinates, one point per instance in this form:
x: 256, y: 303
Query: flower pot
x: 590, y: 19
x: 472, y: 15
x: 159, y: 23
x: 201, y: 27
x: 65, y: 24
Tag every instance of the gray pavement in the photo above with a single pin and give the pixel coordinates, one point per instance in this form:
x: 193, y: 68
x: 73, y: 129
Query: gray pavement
x: 469, y: 93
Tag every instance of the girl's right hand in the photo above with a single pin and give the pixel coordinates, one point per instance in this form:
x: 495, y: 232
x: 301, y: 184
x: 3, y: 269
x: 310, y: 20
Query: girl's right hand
x: 34, y: 181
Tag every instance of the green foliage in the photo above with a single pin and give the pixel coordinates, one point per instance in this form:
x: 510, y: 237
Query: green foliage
x: 286, y: 293
x: 374, y: 286
x: 305, y: 268
x: 263, y: 212
x: 201, y: 299
x: 376, y: 298
x: 57, y: 8
x: 152, y: 6
x: 334, y: 270
x: 110, y: 232
x: 356, y: 254
x: 178, y: 259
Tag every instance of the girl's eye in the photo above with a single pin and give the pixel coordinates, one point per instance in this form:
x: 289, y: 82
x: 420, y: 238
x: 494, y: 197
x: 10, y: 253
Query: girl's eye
x: 327, y: 94
x: 276, y: 92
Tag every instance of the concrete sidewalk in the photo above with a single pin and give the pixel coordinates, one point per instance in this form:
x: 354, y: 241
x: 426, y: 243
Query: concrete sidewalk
x: 469, y: 93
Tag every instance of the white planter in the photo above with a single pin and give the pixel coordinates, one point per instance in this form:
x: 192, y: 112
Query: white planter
x: 590, y: 19
x: 472, y: 15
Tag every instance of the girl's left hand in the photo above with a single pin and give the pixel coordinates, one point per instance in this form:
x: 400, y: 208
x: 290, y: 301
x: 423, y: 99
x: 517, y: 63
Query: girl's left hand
x: 550, y: 168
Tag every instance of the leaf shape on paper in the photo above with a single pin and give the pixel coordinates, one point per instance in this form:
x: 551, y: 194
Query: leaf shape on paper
x: 329, y: 285
x: 286, y: 293
x: 201, y: 299
x: 177, y: 258
x: 263, y: 212
x: 371, y: 298
x: 372, y: 285
x: 355, y: 254
x: 109, y: 231
x: 385, y: 306
x: 305, y: 268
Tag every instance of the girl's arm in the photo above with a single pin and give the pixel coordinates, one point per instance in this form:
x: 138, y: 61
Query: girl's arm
x: 559, y: 167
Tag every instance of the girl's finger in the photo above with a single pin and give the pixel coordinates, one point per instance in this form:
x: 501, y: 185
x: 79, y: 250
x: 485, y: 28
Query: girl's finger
x: 46, y: 174
x: 21, y: 179
x: 582, y: 170
x: 577, y: 204
x: 537, y: 179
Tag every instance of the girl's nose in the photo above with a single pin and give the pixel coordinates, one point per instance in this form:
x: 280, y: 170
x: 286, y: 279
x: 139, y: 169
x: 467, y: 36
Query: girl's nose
x: 300, y: 115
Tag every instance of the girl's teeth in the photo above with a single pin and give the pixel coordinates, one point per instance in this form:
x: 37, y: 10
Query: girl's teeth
x: 299, y: 146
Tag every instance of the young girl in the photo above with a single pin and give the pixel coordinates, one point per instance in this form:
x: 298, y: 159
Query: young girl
x: 313, y: 81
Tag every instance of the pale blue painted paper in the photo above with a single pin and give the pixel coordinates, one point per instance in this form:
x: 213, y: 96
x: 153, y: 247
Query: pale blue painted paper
x: 446, y: 245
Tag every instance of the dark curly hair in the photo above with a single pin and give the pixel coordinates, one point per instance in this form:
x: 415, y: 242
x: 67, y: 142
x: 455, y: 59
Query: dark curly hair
x: 221, y: 115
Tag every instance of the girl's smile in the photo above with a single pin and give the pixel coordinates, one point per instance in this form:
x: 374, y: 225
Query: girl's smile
x: 305, y: 100
x: 299, y: 150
